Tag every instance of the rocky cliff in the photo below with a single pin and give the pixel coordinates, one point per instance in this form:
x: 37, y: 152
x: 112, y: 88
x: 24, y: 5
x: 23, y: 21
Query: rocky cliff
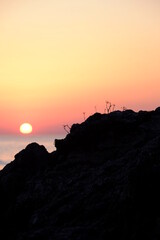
x: 102, y: 182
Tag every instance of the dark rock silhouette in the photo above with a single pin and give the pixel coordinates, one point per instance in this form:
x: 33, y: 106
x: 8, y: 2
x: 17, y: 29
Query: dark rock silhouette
x: 102, y: 182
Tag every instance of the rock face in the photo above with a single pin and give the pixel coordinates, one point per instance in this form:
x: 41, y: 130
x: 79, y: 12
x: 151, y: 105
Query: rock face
x: 102, y: 182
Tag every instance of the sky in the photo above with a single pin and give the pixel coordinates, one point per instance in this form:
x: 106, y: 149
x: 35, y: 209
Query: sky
x: 60, y: 58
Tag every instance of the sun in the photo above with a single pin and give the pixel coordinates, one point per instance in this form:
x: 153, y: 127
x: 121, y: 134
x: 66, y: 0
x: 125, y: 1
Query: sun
x: 25, y: 128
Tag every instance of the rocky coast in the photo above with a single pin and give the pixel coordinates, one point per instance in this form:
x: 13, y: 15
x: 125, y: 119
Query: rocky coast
x: 102, y: 182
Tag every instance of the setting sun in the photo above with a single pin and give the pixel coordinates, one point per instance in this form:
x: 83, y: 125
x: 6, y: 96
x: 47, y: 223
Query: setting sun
x: 26, y: 128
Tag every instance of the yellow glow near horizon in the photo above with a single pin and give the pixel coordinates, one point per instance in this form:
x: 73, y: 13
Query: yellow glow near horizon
x: 61, y: 58
x: 26, y: 128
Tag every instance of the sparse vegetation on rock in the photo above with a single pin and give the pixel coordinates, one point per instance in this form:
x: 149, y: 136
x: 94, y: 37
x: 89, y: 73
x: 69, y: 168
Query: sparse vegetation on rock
x: 101, y: 183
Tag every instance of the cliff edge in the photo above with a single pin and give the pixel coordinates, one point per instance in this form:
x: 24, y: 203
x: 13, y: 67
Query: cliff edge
x: 102, y: 182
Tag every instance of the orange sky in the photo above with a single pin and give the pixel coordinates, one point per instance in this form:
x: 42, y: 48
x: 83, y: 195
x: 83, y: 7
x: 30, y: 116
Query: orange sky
x: 61, y: 58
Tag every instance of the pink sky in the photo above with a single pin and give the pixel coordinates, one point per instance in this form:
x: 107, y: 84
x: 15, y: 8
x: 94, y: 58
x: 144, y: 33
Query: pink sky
x: 62, y: 58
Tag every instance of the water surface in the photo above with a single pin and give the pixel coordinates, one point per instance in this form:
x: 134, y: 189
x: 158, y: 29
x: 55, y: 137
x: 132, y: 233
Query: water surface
x: 10, y: 145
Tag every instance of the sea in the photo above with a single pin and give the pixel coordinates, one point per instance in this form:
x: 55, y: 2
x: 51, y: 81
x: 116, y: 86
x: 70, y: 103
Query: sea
x: 10, y: 145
